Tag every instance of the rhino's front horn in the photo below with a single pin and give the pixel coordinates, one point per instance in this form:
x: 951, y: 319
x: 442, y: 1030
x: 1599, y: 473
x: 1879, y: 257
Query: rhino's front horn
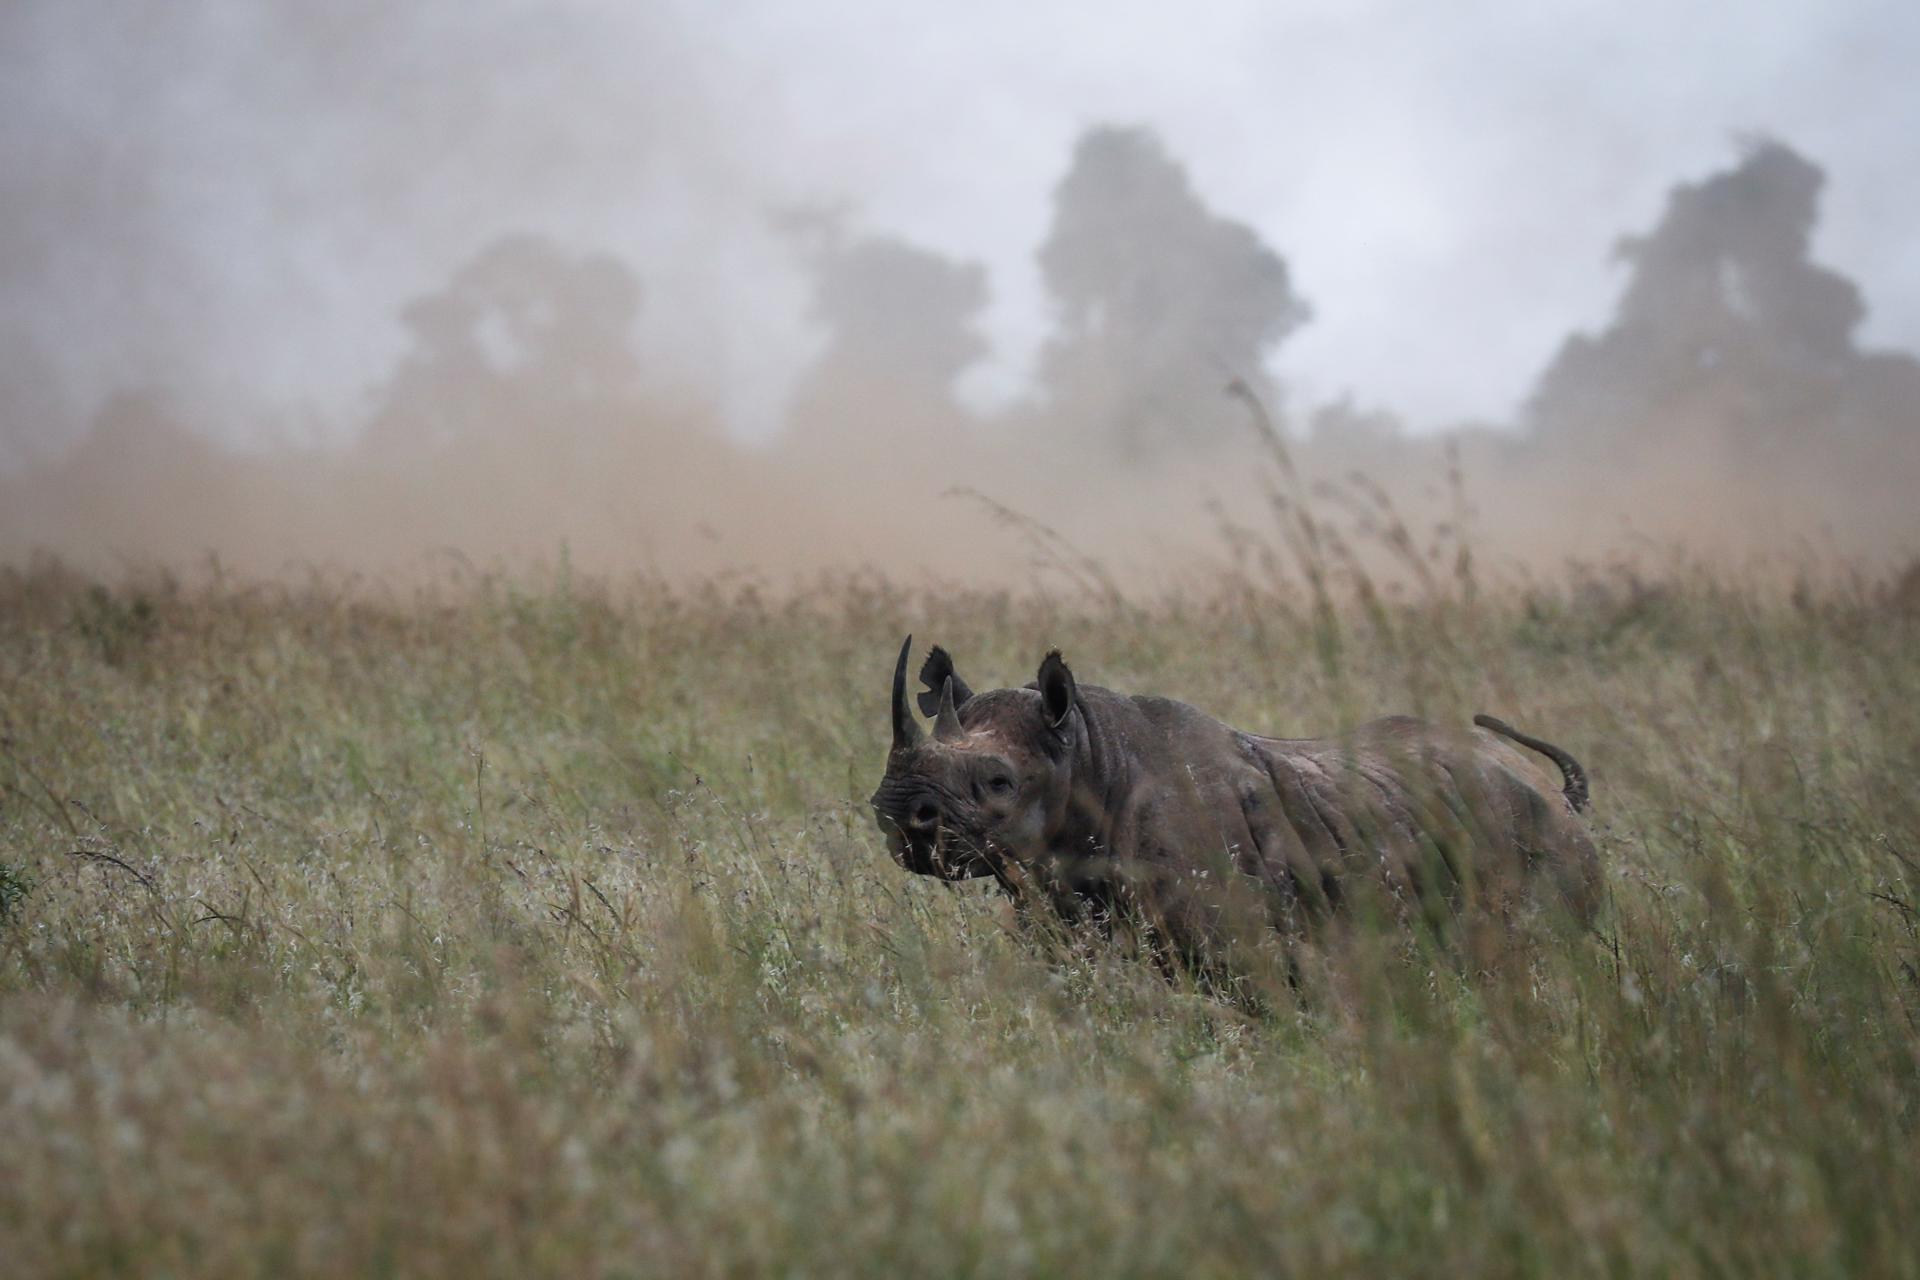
x: 906, y: 731
x: 946, y: 728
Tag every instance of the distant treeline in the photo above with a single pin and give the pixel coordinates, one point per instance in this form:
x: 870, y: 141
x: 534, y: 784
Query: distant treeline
x: 1728, y: 394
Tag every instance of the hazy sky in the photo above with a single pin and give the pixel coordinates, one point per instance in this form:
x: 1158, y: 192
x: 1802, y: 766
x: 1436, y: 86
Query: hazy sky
x: 233, y: 199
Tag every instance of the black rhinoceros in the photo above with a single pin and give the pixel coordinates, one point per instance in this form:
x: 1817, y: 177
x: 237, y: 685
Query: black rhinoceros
x: 1092, y: 800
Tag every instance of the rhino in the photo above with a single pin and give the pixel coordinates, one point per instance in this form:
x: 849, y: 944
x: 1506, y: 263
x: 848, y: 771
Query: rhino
x: 1106, y: 806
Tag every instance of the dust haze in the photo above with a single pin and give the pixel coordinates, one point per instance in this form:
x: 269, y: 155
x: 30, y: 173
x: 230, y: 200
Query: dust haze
x: 805, y: 401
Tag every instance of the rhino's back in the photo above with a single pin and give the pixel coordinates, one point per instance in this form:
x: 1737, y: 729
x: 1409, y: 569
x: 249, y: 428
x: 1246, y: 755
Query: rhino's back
x: 1424, y: 808
x: 1427, y: 810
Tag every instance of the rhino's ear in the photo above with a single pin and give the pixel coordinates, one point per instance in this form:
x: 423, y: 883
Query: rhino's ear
x: 935, y: 672
x: 1057, y: 690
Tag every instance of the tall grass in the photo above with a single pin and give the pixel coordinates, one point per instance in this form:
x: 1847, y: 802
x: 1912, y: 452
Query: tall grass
x: 540, y: 927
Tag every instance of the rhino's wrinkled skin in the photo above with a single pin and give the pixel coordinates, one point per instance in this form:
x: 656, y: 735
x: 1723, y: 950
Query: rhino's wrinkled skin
x: 1093, y: 800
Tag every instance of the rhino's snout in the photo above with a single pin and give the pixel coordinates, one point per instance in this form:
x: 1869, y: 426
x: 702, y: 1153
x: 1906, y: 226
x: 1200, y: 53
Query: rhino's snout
x: 922, y: 836
x: 911, y: 824
x: 923, y: 816
x: 906, y: 803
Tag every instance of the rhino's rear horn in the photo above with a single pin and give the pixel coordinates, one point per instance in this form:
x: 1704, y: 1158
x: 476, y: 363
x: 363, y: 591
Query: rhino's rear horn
x: 906, y: 730
x: 947, y: 727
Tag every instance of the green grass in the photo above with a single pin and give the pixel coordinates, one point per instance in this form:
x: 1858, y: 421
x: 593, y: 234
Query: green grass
x: 541, y: 928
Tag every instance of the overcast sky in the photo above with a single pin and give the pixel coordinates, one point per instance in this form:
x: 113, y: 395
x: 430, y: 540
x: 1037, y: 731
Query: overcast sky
x: 232, y: 200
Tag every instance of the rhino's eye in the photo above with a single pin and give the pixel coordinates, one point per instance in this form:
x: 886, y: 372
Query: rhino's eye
x: 1000, y: 784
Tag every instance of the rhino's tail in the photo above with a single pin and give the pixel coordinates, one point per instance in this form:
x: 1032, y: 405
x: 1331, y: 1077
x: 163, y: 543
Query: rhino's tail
x: 1576, y: 777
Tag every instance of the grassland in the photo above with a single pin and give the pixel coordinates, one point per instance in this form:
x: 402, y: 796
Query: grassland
x: 532, y: 927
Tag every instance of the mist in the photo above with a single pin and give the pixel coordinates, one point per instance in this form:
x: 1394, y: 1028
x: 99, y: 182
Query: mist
x: 379, y: 289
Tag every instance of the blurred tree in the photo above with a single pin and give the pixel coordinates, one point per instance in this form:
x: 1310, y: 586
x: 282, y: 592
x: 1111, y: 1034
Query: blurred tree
x: 1161, y: 302
x: 1726, y: 329
x: 902, y: 323
x: 33, y: 407
x: 139, y: 486
x: 523, y: 339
